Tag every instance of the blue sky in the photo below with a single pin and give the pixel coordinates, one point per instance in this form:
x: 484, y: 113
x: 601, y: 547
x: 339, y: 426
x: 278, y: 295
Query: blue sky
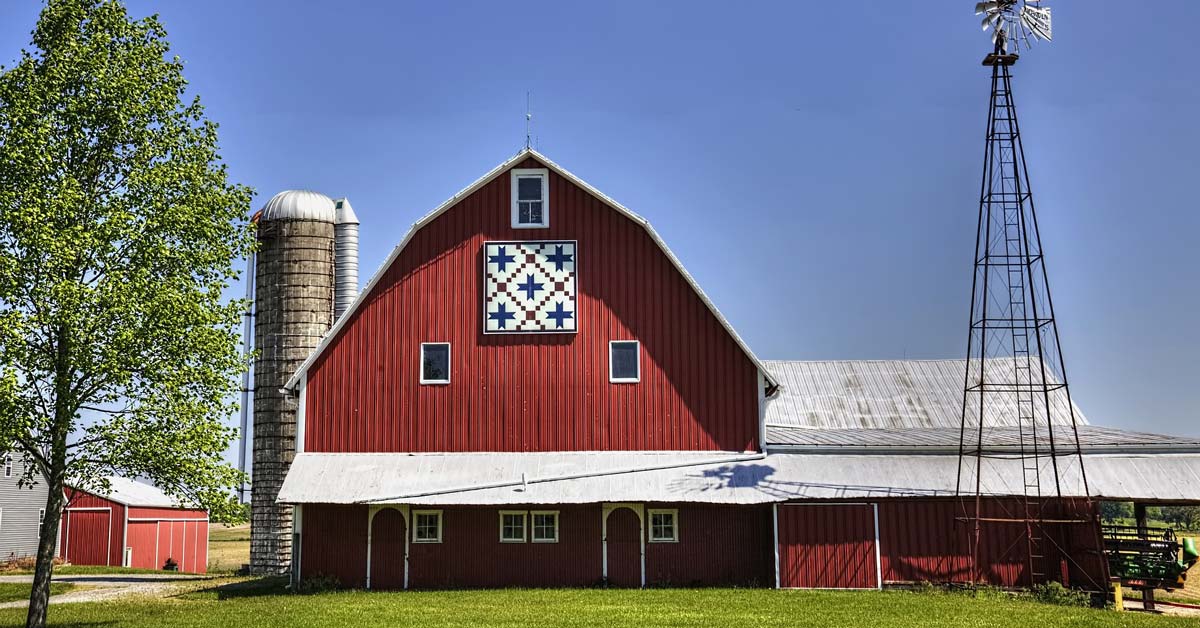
x: 814, y: 165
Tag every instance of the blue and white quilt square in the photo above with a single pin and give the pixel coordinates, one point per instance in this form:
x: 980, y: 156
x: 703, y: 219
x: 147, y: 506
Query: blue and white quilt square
x: 529, y: 287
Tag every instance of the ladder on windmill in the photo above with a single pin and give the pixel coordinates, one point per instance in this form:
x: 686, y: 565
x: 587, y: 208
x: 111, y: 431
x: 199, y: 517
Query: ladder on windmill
x: 1017, y: 266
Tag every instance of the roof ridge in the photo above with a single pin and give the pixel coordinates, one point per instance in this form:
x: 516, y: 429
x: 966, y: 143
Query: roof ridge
x: 504, y: 166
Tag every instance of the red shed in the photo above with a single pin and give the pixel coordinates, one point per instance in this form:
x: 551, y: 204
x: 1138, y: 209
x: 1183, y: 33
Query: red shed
x: 135, y: 525
x: 533, y: 391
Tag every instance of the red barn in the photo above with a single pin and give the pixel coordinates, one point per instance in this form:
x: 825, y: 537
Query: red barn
x: 533, y: 391
x: 133, y: 525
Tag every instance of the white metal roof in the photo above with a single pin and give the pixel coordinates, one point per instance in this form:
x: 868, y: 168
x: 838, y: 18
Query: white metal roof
x: 720, y: 478
x: 1092, y: 438
x: 885, y: 394
x: 299, y: 205
x: 133, y: 493
x: 495, y: 172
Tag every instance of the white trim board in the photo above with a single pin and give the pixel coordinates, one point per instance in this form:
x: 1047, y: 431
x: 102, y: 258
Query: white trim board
x: 467, y: 191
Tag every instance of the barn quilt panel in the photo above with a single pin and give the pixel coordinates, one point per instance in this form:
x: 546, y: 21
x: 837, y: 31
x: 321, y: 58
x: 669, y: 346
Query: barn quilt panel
x: 530, y: 287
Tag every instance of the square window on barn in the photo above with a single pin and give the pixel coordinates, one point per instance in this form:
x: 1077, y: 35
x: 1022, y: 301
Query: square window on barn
x: 427, y: 526
x: 624, y: 361
x: 435, y: 363
x: 512, y: 526
x: 530, y: 198
x: 545, y: 526
x: 664, y: 526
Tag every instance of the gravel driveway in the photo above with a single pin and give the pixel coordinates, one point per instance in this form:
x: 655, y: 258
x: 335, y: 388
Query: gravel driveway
x: 97, y: 587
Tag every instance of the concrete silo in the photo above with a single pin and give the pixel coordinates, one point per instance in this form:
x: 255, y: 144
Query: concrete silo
x: 293, y: 309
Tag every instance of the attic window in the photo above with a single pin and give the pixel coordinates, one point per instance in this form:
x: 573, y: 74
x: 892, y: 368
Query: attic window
x: 530, y: 198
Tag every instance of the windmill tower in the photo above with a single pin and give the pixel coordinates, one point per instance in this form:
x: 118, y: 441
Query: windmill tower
x: 1017, y: 418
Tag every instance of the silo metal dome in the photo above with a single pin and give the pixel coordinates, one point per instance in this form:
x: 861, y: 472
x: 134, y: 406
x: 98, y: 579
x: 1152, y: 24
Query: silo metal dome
x: 299, y: 205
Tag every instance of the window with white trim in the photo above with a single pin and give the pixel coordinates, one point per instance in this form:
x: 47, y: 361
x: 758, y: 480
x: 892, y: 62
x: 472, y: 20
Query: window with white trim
x: 8, y: 465
x: 427, y: 526
x: 544, y: 526
x: 664, y: 525
x: 624, y: 361
x: 530, y: 198
x: 512, y: 526
x: 435, y: 363
x: 41, y: 517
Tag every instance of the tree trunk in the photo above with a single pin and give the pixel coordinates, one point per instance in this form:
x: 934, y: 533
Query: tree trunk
x: 39, y: 597
x: 56, y: 473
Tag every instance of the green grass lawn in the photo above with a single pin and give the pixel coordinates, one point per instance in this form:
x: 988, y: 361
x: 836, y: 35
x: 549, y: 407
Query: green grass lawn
x: 14, y: 591
x: 259, y: 607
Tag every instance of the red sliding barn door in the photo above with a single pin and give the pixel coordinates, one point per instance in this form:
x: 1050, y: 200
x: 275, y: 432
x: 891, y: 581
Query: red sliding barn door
x: 828, y: 546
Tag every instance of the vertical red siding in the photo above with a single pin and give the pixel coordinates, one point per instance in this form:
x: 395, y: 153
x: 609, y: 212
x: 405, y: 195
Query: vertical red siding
x: 333, y: 542
x: 920, y: 540
x: 142, y: 538
x: 182, y: 534
x: 144, y: 512
x: 87, y: 538
x: 87, y: 534
x: 532, y: 392
x: 718, y: 546
x: 827, y: 546
x: 96, y: 536
x: 471, y: 554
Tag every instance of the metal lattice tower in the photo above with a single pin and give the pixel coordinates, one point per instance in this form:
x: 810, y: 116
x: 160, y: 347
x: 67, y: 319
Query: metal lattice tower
x: 1017, y: 407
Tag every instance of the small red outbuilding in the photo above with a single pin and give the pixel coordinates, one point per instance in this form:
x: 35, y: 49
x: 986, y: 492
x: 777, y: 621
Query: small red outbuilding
x: 134, y: 525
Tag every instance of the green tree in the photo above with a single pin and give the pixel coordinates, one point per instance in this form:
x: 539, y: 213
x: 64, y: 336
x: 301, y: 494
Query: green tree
x: 1113, y: 511
x: 119, y: 230
x: 1185, y: 517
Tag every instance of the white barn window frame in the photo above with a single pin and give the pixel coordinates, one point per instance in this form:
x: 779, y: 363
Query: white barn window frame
x: 427, y: 526
x: 514, y: 526
x: 426, y: 377
x: 525, y: 210
x: 664, y: 525
x: 543, y: 526
x: 624, y: 377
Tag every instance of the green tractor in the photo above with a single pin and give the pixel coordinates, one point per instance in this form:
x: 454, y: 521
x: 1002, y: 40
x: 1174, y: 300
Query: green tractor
x: 1148, y: 557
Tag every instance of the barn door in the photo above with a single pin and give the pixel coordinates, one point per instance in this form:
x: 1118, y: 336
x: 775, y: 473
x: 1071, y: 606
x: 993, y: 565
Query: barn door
x: 623, y: 545
x: 387, y: 549
x: 87, y: 536
x: 828, y: 546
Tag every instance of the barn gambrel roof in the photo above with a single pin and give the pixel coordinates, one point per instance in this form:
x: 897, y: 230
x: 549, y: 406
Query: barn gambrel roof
x: 479, y: 183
